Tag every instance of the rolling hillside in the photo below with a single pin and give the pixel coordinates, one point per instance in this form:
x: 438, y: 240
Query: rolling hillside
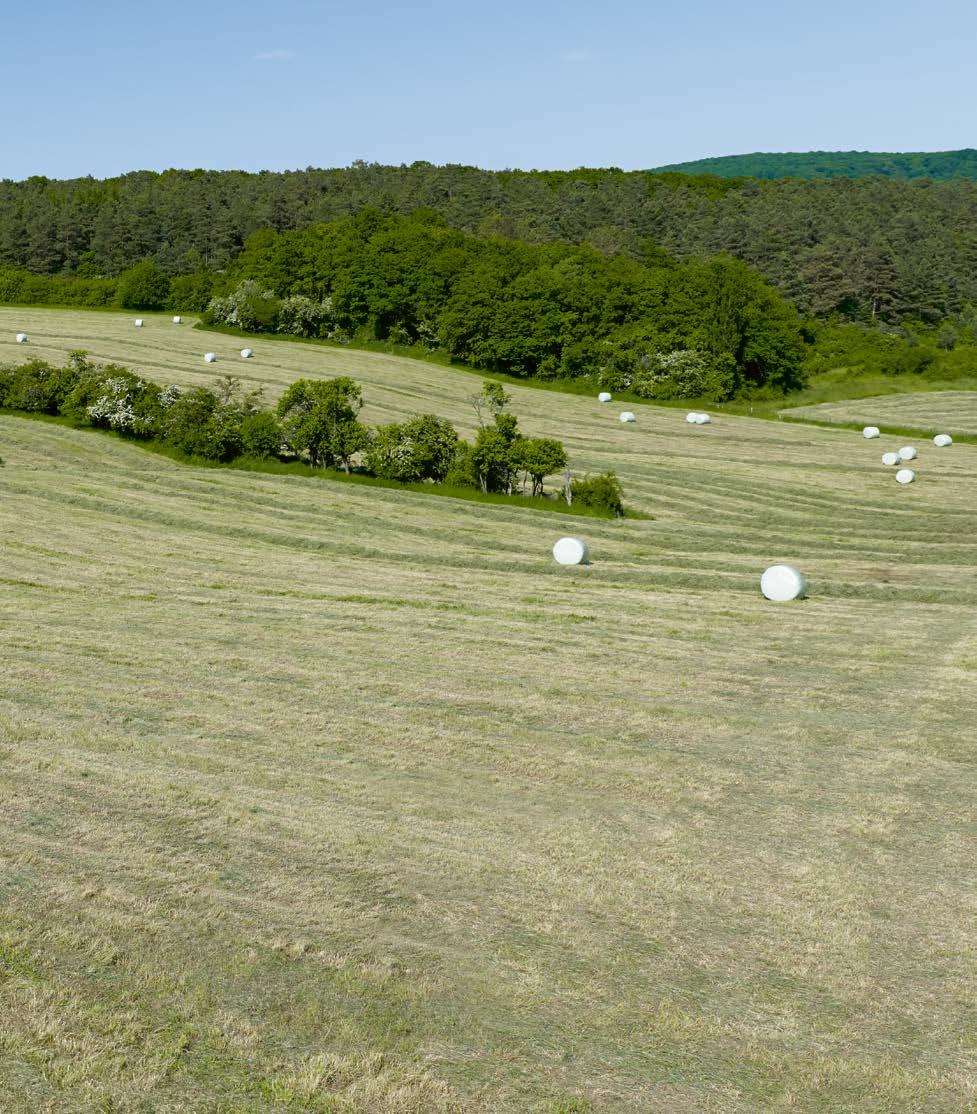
x: 331, y: 799
x: 940, y: 165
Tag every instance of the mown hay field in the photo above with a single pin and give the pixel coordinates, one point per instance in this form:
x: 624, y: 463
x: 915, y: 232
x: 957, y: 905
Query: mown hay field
x: 325, y: 798
x: 936, y: 411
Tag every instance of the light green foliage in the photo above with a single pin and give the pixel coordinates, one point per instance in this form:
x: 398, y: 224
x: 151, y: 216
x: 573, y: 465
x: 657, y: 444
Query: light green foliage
x: 538, y: 457
x: 422, y: 448
x: 318, y: 420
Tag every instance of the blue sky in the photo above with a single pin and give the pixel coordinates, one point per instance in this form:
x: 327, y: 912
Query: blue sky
x: 104, y: 87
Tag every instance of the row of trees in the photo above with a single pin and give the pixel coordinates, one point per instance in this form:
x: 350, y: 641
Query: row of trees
x: 864, y: 249
x: 316, y: 421
x: 655, y: 326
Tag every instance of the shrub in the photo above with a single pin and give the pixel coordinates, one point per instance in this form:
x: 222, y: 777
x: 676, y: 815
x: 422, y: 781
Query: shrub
x: 249, y: 307
x: 318, y: 419
x: 602, y: 492
x: 304, y: 317
x: 261, y: 435
x: 422, y: 448
x: 112, y: 397
x: 37, y: 387
x: 192, y: 293
x: 144, y: 286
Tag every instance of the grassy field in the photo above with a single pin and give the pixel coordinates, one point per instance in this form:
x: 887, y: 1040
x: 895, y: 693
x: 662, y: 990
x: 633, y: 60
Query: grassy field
x: 942, y: 412
x: 326, y: 798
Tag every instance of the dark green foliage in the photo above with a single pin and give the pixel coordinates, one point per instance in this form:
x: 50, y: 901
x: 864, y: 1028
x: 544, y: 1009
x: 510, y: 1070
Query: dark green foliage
x: 938, y: 165
x: 603, y: 491
x: 193, y: 293
x: 318, y: 420
x: 143, y: 286
x: 422, y: 448
x: 36, y: 386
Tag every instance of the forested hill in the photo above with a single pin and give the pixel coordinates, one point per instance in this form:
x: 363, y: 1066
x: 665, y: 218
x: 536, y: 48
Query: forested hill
x: 939, y: 165
x: 870, y: 249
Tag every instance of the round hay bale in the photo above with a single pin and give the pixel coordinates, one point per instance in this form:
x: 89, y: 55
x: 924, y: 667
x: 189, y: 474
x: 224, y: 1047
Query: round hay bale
x: 571, y: 551
x: 941, y: 440
x: 246, y: 353
x: 890, y: 458
x: 782, y: 582
x: 702, y: 419
x: 178, y: 320
x: 907, y: 452
x: 21, y: 338
x: 626, y: 416
x: 604, y: 396
x: 870, y: 431
x: 692, y: 417
x: 905, y: 476
x: 210, y: 358
x: 138, y: 322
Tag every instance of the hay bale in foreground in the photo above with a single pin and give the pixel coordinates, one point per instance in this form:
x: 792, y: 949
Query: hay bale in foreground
x: 871, y: 431
x: 138, y: 322
x: 692, y: 417
x: 890, y: 458
x: 626, y: 416
x: 21, y: 338
x: 210, y: 358
x: 781, y: 583
x: 246, y: 353
x: 571, y: 551
x: 907, y: 452
x: 941, y: 440
x: 702, y: 419
x: 905, y: 476
x: 178, y: 320
x: 604, y: 396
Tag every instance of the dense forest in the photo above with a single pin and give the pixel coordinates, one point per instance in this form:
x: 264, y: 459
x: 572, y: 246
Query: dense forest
x: 867, y: 250
x: 939, y: 165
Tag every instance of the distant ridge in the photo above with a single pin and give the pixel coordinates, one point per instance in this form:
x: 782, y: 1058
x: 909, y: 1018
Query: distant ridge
x: 940, y: 165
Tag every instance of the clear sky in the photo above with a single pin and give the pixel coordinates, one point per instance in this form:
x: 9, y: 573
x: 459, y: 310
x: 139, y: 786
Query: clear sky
x: 102, y: 87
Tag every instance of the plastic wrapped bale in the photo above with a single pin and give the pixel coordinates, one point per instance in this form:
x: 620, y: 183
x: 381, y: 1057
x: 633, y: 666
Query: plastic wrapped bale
x: 210, y: 358
x: 702, y: 419
x: 246, y: 353
x: 626, y: 416
x: 604, y: 396
x: 138, y: 322
x: 905, y: 476
x: 781, y: 583
x: 890, y: 458
x: 907, y: 452
x: 571, y: 551
x: 178, y: 320
x: 692, y: 417
x: 871, y: 431
x: 21, y: 338
x: 941, y: 440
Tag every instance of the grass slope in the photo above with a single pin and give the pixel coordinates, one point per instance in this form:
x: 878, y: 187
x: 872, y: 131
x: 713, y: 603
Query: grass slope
x: 322, y: 798
x: 942, y: 165
x: 953, y: 411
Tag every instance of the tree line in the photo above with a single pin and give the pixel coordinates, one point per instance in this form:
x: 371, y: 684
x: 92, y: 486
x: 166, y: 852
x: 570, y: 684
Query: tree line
x: 937, y: 165
x: 315, y: 421
x: 866, y: 250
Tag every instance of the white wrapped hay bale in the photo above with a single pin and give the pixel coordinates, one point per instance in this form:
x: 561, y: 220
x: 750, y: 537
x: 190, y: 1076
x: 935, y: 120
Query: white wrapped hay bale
x: 246, y: 353
x: 178, y: 320
x: 871, y: 431
x: 210, y: 358
x: 890, y: 458
x: 905, y: 476
x: 604, y: 396
x: 702, y: 419
x: 21, y: 338
x: 692, y: 417
x: 626, y: 416
x: 781, y: 583
x: 907, y: 452
x: 571, y: 551
x: 138, y: 322
x: 941, y: 440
